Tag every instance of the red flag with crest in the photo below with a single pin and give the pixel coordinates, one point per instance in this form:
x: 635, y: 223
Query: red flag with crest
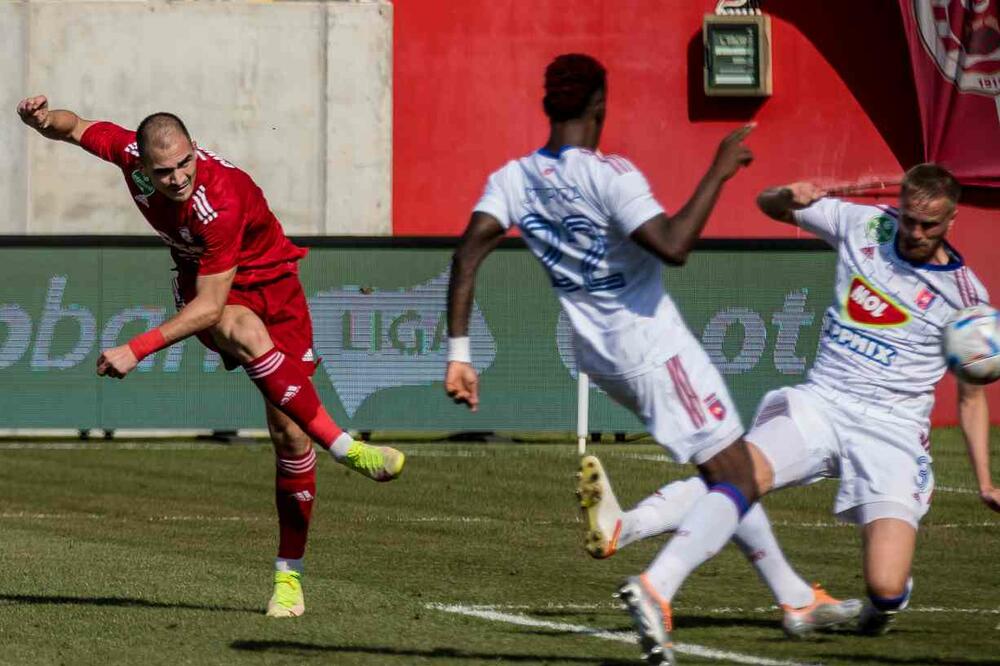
x: 955, y: 55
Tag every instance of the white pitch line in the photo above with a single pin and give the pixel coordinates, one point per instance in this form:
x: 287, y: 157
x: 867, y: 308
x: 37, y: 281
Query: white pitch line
x: 618, y: 636
x: 721, y: 610
x: 109, y: 446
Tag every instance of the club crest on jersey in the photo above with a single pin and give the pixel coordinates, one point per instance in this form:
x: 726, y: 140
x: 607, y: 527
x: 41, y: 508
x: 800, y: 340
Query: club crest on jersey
x: 715, y: 407
x: 145, y: 186
x: 868, y: 306
x: 880, y: 229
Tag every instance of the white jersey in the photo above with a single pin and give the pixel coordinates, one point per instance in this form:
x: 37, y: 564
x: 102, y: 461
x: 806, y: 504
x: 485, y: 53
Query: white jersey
x: 576, y: 210
x: 881, y: 338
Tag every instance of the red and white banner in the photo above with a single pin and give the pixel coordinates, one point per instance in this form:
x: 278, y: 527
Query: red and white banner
x: 955, y: 54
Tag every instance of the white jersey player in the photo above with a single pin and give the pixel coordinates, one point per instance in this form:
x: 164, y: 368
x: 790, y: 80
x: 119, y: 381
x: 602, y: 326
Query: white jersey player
x: 602, y: 237
x: 863, y: 414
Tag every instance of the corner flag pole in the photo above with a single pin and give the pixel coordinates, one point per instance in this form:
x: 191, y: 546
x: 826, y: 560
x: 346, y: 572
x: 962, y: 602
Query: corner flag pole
x: 582, y: 411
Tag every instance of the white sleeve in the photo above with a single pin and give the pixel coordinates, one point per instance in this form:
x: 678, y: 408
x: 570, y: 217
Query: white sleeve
x: 629, y: 201
x: 493, y: 201
x: 825, y: 219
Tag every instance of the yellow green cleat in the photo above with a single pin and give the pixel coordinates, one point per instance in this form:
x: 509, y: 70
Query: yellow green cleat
x: 381, y: 463
x: 287, y: 600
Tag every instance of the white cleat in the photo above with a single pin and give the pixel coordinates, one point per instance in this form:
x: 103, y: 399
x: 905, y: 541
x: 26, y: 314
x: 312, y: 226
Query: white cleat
x: 652, y: 618
x: 824, y: 612
x: 601, y: 508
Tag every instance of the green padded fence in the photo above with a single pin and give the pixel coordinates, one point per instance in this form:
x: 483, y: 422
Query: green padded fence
x: 379, y: 318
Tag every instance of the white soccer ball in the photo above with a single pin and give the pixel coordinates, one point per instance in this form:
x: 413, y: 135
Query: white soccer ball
x: 972, y: 344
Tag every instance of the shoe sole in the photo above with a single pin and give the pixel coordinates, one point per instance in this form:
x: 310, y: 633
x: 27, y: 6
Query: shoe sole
x: 590, y: 492
x: 652, y: 651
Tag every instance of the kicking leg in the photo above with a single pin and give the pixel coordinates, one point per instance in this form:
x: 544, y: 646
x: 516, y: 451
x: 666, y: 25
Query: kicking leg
x: 287, y: 387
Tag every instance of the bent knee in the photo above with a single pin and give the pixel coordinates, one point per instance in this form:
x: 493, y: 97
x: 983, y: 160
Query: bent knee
x: 889, y: 591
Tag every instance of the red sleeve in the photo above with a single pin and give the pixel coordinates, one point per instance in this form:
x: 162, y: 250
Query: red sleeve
x: 111, y: 143
x: 222, y: 225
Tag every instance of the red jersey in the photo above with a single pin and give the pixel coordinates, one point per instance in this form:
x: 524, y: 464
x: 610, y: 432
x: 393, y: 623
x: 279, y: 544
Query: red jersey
x: 225, y: 223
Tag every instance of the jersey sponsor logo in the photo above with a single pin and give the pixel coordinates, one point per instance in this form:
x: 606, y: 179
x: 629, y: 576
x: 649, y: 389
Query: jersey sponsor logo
x: 880, y: 229
x: 868, y: 306
x: 309, y: 356
x: 925, y: 298
x: 132, y: 149
x: 715, y: 407
x: 145, y: 186
x: 859, y: 343
x: 868, y: 252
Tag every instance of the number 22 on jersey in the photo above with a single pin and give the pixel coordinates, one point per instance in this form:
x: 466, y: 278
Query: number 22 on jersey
x: 572, y: 251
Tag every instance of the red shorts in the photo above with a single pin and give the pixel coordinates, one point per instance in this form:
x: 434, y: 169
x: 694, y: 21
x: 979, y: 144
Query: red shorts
x: 281, y: 305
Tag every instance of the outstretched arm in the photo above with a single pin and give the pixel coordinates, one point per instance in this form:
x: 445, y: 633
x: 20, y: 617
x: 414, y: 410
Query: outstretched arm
x: 779, y: 203
x: 671, y: 238
x: 55, y: 124
x: 481, y: 237
x: 974, y: 417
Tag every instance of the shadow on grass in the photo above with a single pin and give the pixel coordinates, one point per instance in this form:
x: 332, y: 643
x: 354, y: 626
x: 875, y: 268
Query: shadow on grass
x: 120, y: 602
x: 296, y: 647
x: 882, y: 658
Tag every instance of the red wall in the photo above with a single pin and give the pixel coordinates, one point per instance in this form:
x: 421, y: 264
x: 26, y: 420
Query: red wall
x: 468, y: 87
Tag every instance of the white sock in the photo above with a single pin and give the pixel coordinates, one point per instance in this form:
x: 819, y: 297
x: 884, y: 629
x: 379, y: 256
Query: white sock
x: 662, y: 511
x: 704, y: 531
x: 755, y: 538
x: 338, y: 449
x: 288, y: 564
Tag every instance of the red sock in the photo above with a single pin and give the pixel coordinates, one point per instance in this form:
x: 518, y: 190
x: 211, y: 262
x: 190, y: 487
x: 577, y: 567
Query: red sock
x: 294, y: 492
x: 288, y: 388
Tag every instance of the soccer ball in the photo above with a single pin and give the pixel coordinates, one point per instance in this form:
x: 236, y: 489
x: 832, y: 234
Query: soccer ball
x: 972, y: 344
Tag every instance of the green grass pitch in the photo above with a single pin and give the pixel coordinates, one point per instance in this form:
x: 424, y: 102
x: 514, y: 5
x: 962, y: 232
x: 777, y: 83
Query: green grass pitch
x: 160, y: 553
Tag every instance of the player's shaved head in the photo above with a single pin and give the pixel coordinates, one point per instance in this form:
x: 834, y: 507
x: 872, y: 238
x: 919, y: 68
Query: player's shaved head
x: 570, y: 83
x: 157, y: 130
x: 930, y: 181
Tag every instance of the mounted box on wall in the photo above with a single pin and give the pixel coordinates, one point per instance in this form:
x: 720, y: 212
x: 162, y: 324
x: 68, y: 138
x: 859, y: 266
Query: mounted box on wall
x: 737, y: 55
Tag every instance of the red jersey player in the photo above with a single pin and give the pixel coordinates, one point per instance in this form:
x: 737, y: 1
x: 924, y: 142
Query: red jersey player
x: 238, y: 291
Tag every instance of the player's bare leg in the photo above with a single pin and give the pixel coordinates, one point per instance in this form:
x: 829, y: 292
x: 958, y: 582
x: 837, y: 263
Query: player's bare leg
x: 889, y: 544
x: 286, y: 386
x: 294, y: 496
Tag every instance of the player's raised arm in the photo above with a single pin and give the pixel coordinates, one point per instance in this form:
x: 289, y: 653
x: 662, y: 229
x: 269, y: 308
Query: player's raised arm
x: 974, y: 417
x: 481, y: 237
x: 671, y: 238
x: 780, y: 203
x: 55, y: 124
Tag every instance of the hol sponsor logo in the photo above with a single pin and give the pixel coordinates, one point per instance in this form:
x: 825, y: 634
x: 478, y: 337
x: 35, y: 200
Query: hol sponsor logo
x: 867, y: 305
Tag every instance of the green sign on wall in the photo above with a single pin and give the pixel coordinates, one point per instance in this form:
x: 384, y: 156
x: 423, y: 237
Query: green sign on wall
x: 379, y: 322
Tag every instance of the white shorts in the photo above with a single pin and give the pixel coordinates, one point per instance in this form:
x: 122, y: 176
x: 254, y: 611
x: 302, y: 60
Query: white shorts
x: 883, y: 464
x: 683, y: 403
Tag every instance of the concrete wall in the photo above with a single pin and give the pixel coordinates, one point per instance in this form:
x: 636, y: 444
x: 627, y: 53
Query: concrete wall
x: 296, y: 93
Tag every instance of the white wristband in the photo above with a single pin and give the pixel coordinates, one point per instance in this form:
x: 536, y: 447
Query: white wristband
x: 459, y: 350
